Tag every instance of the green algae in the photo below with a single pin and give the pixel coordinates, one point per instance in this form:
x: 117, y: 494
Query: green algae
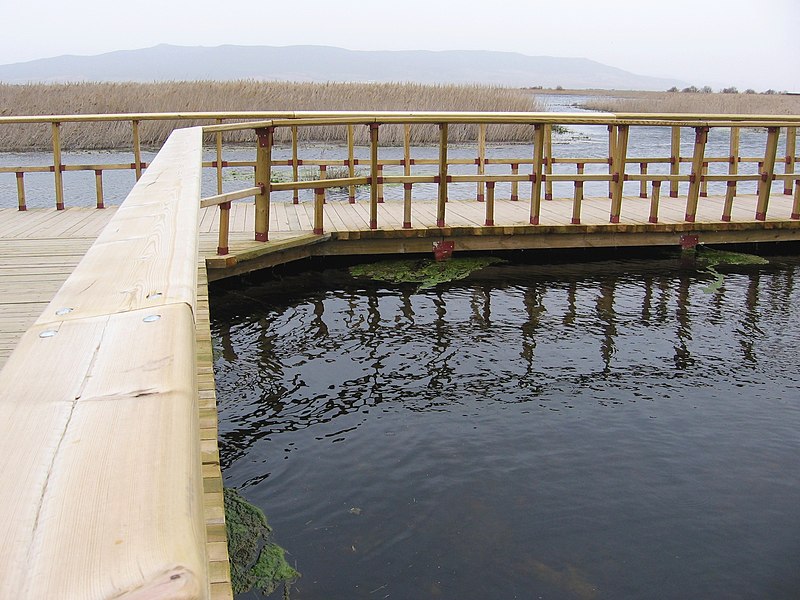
x: 426, y: 272
x: 256, y: 562
x: 710, y: 258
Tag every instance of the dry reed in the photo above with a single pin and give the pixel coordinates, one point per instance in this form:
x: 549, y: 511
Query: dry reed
x: 247, y: 95
x: 683, y: 102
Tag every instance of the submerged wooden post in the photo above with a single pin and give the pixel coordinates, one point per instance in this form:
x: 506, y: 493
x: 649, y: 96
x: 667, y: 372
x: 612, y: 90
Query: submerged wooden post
x: 654, y: 199
x: 481, y: 159
x: 263, y: 180
x: 137, y: 150
x: 620, y: 159
x: 733, y: 161
x: 700, y: 139
x: 295, y: 166
x: 791, y: 150
x: 548, y: 153
x: 767, y: 173
x: 98, y: 185
x: 489, y: 222
x: 58, y: 168
x: 224, y: 227
x: 515, y: 184
x: 373, y: 175
x: 536, y: 176
x: 319, y: 201
x: 21, y: 203
x: 675, y: 160
x: 218, y: 140
x: 407, y: 173
x: 442, y: 198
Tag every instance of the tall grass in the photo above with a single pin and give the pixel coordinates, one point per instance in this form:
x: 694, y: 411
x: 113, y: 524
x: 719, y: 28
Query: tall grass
x: 247, y: 95
x: 682, y: 102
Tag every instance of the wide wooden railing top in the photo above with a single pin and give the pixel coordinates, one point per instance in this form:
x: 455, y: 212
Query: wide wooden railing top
x: 99, y: 444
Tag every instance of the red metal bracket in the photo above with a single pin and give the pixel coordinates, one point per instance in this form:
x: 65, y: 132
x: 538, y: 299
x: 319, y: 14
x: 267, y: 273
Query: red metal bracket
x: 263, y: 134
x: 443, y: 250
x: 689, y: 240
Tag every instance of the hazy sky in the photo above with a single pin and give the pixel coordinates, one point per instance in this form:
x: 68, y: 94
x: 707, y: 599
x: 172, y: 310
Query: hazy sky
x: 746, y: 43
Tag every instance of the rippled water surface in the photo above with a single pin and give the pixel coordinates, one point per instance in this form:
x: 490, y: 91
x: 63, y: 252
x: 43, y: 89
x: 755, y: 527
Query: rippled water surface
x: 596, y: 430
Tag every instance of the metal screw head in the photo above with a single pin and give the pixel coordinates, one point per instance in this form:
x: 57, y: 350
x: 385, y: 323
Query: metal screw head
x: 154, y: 295
x: 48, y: 333
x: 151, y: 318
x: 64, y: 311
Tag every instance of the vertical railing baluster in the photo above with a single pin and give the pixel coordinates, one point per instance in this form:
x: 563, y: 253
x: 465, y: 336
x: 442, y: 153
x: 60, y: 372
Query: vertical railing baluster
x: 548, y: 153
x: 580, y: 169
x: 137, y: 150
x: 620, y: 160
x: 796, y: 203
x: 407, y: 172
x: 489, y: 222
x: 643, y: 182
x: 704, y: 181
x: 481, y: 159
x: 58, y: 169
x: 514, y: 184
x: 442, y: 196
x: 767, y: 172
x: 98, y: 188
x: 295, y: 166
x: 319, y: 201
x: 22, y: 204
x: 700, y: 139
x: 536, y: 176
x: 323, y: 175
x: 654, y: 200
x: 373, y: 175
x: 351, y: 162
x: 380, y: 183
x: 576, y: 203
x: 263, y: 180
x: 733, y: 161
x: 224, y: 228
x: 791, y: 150
x: 675, y: 160
x: 612, y: 152
x: 218, y: 162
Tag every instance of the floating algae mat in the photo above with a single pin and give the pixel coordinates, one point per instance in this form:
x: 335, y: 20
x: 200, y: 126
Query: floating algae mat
x: 426, y: 272
x: 710, y: 258
x: 256, y: 563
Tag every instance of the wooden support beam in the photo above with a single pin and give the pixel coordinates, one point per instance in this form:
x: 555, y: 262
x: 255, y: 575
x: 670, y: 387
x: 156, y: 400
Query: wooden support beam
x: 481, y: 159
x: 57, y: 167
x: 620, y: 160
x: 373, y: 175
x: 263, y: 177
x: 767, y: 173
x: 675, y: 160
x: 536, y: 176
x: 442, y: 195
x: 700, y: 139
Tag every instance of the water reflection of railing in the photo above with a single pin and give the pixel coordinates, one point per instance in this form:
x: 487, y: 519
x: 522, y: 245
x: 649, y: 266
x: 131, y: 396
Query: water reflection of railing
x: 542, y: 176
x: 509, y: 334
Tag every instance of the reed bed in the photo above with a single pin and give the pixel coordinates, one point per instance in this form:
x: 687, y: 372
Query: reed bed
x: 684, y: 102
x: 207, y: 96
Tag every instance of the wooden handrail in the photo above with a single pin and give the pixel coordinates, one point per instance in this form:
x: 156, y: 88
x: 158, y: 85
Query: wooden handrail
x: 102, y: 485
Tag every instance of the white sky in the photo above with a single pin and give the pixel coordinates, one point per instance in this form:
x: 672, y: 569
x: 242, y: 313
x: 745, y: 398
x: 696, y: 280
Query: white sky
x: 746, y: 43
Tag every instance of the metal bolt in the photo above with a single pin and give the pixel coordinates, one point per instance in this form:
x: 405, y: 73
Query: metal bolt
x: 154, y: 295
x: 151, y: 318
x: 48, y: 333
x: 63, y: 311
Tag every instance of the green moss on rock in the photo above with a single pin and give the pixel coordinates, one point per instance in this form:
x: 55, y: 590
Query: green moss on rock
x: 426, y: 272
x: 256, y: 562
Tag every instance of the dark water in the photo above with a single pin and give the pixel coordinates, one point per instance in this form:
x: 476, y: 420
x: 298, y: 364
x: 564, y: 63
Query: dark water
x: 595, y: 430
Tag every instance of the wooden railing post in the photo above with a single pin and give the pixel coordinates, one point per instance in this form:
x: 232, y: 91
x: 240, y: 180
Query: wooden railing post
x: 700, y: 139
x: 407, y: 173
x: 21, y: 191
x: 514, y: 184
x: 536, y: 176
x: 643, y: 183
x: 620, y: 160
x: 580, y: 167
x: 224, y: 227
x: 295, y: 166
x: 675, y: 160
x: 98, y: 185
x: 58, y: 169
x: 319, y: 201
x: 263, y: 180
x: 442, y: 197
x: 654, y: 199
x: 727, y: 208
x: 481, y: 159
x: 576, y: 203
x: 704, y: 181
x: 733, y: 161
x: 137, y: 150
x: 351, y: 163
x: 767, y: 172
x: 218, y: 140
x: 373, y: 175
x: 796, y: 202
x: 489, y: 222
x: 380, y: 183
x: 612, y: 151
x: 791, y: 150
x: 407, y: 206
x: 548, y: 153
x: 323, y: 175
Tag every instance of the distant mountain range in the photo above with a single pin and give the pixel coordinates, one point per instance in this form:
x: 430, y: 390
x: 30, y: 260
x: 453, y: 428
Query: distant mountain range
x: 324, y: 63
